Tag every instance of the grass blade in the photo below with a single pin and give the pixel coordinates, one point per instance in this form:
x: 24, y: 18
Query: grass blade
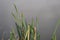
x: 12, y: 35
x: 15, y: 8
x: 23, y: 21
x: 34, y: 33
x: 28, y: 32
x: 19, y: 32
x: 37, y: 22
x: 54, y: 33
x: 32, y: 24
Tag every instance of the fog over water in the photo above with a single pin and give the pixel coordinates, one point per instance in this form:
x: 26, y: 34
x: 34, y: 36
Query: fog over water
x: 48, y: 12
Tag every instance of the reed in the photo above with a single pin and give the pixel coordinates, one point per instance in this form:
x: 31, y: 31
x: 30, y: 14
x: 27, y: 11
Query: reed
x: 54, y: 33
x: 25, y: 31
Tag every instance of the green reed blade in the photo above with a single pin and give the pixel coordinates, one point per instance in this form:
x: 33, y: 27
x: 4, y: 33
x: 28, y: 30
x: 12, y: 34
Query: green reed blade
x: 54, y: 33
x: 15, y: 8
x: 32, y: 24
x: 23, y: 21
x: 37, y: 22
x: 12, y: 35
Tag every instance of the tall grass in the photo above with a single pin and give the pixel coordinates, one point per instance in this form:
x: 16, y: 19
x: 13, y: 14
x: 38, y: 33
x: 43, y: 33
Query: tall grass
x: 25, y: 31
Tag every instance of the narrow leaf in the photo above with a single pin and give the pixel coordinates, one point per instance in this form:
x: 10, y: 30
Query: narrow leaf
x: 15, y: 8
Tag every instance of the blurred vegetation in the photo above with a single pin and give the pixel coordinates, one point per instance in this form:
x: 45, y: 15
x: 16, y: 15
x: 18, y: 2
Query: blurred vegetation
x: 25, y: 31
x: 54, y: 33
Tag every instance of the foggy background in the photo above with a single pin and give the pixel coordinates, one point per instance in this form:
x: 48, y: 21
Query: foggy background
x: 48, y: 12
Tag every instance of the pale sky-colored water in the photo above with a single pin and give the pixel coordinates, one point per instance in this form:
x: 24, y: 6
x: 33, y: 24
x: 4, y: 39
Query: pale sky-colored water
x: 48, y: 12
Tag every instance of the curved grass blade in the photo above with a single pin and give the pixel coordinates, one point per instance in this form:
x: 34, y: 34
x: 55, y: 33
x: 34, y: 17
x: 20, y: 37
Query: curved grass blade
x: 26, y: 35
x: 15, y: 8
x: 19, y: 31
x: 12, y: 35
x: 54, y: 33
x: 23, y: 21
x: 18, y: 21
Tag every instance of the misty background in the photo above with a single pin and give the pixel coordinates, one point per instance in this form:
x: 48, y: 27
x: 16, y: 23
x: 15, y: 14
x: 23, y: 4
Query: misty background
x: 48, y: 12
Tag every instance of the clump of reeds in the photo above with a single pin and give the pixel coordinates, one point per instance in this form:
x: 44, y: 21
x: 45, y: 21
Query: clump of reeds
x: 25, y: 31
